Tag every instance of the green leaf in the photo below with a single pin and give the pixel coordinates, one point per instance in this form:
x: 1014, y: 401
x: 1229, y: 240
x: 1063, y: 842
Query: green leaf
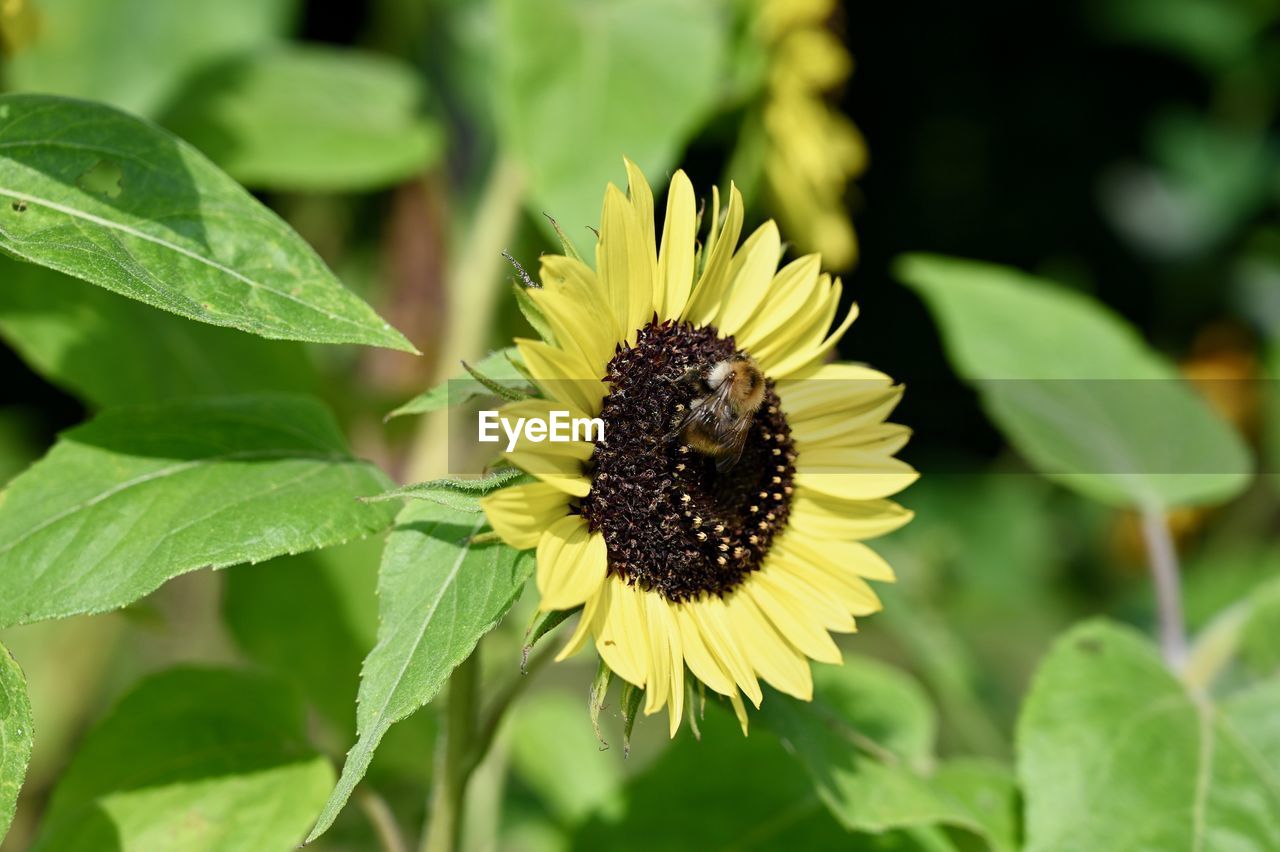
x: 1250, y: 718
x: 602, y: 79
x: 1108, y: 732
x: 131, y: 53
x: 1260, y: 638
x: 15, y: 736
x: 307, y: 117
x: 1076, y: 390
x: 191, y: 759
x: 140, y: 495
x: 109, y: 350
x: 457, y: 493
x: 867, y: 741
x: 437, y: 595
x: 118, y: 202
x: 501, y: 367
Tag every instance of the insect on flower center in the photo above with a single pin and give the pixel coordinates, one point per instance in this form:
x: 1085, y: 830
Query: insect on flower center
x: 673, y: 521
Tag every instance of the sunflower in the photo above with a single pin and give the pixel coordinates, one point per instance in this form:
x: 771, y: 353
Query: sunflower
x: 734, y: 575
x: 812, y: 150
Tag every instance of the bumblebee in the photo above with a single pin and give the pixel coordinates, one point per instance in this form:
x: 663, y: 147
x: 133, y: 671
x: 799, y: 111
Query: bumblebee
x: 718, y: 420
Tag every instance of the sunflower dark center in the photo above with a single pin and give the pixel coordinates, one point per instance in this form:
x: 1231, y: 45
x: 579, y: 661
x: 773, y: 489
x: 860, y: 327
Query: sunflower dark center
x: 672, y: 522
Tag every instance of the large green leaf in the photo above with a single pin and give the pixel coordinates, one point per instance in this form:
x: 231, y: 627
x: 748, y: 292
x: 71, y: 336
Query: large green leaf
x: 131, y: 53
x: 1249, y: 717
x: 142, y: 494
x: 308, y: 118
x: 1076, y: 390
x: 1108, y: 732
x: 867, y: 742
x: 109, y: 350
x: 15, y: 736
x: 112, y: 199
x: 438, y: 594
x: 584, y: 82
x: 191, y: 759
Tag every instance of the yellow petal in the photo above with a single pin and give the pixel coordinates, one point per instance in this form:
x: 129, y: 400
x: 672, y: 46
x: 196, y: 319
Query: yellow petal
x: 799, y: 586
x: 876, y: 439
x: 625, y: 264
x: 816, y: 391
x: 771, y: 655
x: 589, y: 621
x: 562, y: 472
x: 751, y: 272
x: 575, y: 318
x: 713, y: 285
x: 803, y: 331
x: 825, y: 517
x: 572, y: 562
x: 623, y: 639
x: 798, y: 361
x: 563, y: 376
x: 792, y: 619
x: 793, y: 288
x: 642, y: 202
x: 701, y: 661
x: 712, y: 617
x: 675, y: 259
x: 520, y: 513
x: 854, y: 593
x: 659, y: 679
x: 839, y: 556
x: 739, y: 710
x: 844, y: 417
x: 851, y: 475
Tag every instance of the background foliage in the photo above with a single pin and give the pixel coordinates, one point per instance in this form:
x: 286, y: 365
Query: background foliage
x: 201, y: 199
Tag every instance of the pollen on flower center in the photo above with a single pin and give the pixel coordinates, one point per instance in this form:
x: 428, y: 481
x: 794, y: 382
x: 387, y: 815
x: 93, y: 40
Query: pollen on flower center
x: 672, y: 522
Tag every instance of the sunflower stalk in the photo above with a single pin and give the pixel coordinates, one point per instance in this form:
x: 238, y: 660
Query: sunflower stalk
x: 454, y: 762
x: 473, y: 290
x: 1162, y: 555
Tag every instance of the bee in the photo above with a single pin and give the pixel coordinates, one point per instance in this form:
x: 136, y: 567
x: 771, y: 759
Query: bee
x: 718, y: 420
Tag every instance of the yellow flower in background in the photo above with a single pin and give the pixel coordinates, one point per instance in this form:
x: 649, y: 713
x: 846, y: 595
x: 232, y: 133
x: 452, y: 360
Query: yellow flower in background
x: 18, y: 25
x: 679, y: 559
x: 812, y: 150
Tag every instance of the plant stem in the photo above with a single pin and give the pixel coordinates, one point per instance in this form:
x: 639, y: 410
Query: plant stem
x: 454, y: 760
x: 383, y: 821
x: 493, y: 719
x: 475, y: 281
x: 1163, y: 557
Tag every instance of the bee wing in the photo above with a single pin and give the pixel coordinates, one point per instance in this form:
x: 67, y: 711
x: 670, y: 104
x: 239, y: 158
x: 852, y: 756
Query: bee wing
x: 735, y: 434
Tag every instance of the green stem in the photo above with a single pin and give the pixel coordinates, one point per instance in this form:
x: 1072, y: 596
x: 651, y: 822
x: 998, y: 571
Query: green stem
x: 486, y: 733
x: 1163, y: 558
x: 475, y: 281
x: 454, y: 760
x: 383, y: 821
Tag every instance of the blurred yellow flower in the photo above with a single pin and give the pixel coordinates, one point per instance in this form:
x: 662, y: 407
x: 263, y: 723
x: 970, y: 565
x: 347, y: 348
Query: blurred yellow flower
x: 736, y: 571
x: 18, y: 25
x: 812, y: 150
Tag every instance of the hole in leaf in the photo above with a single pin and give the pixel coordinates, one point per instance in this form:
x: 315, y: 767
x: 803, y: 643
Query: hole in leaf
x: 102, y: 178
x: 19, y: 207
